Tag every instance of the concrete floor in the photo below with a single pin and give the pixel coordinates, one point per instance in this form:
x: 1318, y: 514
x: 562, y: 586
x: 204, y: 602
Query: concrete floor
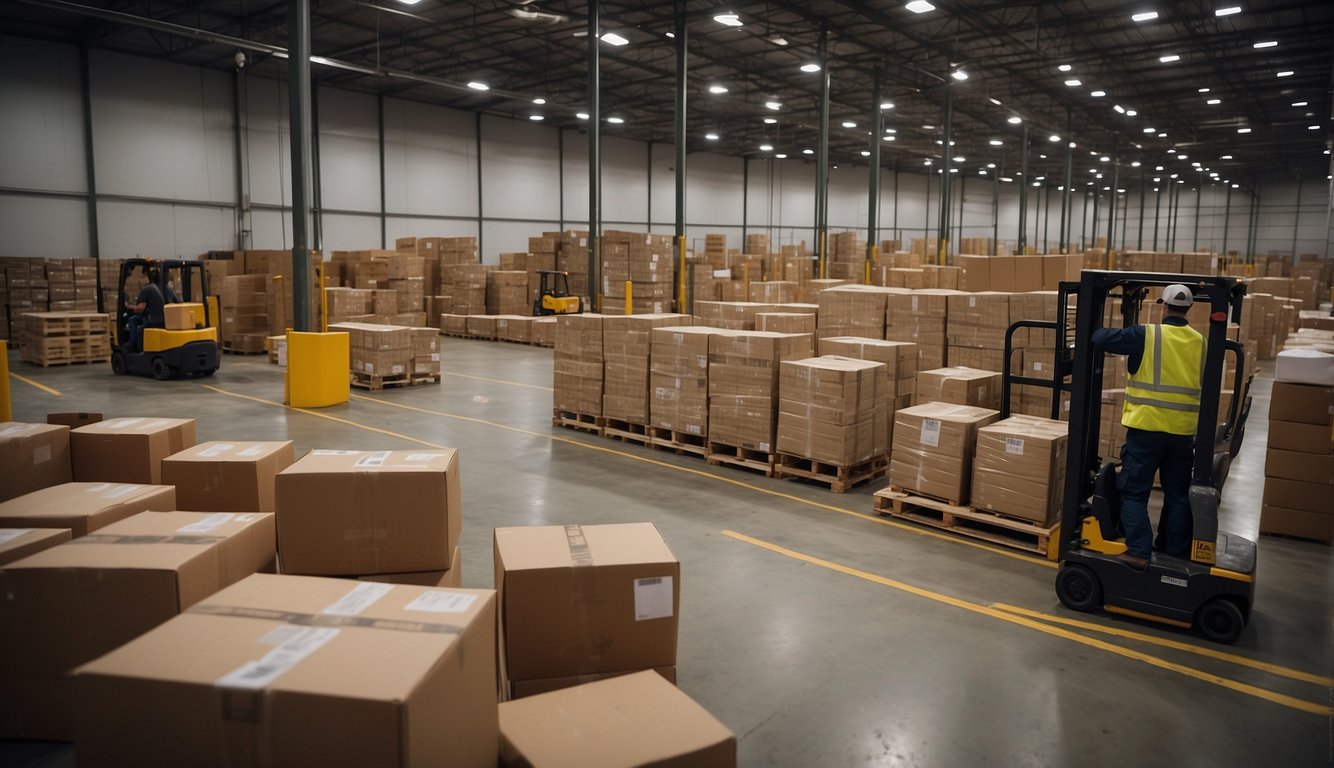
x: 898, y: 658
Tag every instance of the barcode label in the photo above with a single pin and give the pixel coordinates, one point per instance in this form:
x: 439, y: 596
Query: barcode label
x: 441, y: 602
x: 216, y: 450
x: 358, y: 599
x: 1014, y: 445
x: 654, y: 598
x: 376, y: 459
x: 930, y: 433
x: 296, y: 646
x: 208, y: 524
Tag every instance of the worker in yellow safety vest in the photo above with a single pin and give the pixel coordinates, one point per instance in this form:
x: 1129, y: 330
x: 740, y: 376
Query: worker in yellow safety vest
x: 1162, y: 409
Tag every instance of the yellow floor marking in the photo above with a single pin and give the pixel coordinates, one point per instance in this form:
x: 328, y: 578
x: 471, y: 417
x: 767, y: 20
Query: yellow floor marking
x: 1213, y: 653
x: 31, y: 383
x: 497, y: 381
x: 1315, y: 708
x: 720, y: 478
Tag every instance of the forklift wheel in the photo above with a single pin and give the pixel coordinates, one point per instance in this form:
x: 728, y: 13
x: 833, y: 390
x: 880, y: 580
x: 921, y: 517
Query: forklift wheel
x: 161, y: 371
x: 1078, y: 588
x: 118, y: 363
x: 1220, y: 620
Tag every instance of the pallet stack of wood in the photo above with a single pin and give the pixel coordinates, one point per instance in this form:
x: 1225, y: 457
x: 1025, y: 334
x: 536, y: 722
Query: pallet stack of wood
x: 63, y: 338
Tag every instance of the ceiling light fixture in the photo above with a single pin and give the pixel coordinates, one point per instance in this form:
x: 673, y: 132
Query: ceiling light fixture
x: 1131, y: 113
x: 1285, y: 73
x: 1119, y: 108
x: 960, y: 159
x: 778, y: 40
x: 539, y: 101
x: 729, y: 19
x: 1135, y: 164
x: 887, y: 105
x: 774, y: 105
x: 1266, y: 44
x: 994, y: 101
x: 1243, y: 130
x: 927, y: 161
x: 1054, y: 137
x: 991, y: 165
x: 672, y: 35
x: 766, y: 147
x: 1098, y: 94
x: 891, y: 130
x: 812, y: 67
x: 849, y: 124
x: 616, y: 120
x: 1169, y: 58
x: 1072, y: 82
x: 928, y: 127
x: 1145, y: 16
x: 611, y: 38
x: 478, y: 85
x: 1225, y: 157
x: 1064, y: 68
x: 770, y: 120
x: 1150, y: 130
x: 536, y: 118
x: 866, y: 153
x: 1204, y: 90
x: 1015, y: 120
x: 920, y: 6
x: 1229, y: 11
x: 711, y: 136
x: 717, y: 89
x: 1213, y: 102
x: 959, y: 75
x: 807, y: 151
x: 1298, y: 103
x: 1312, y: 127
x: 581, y: 115
x: 996, y: 142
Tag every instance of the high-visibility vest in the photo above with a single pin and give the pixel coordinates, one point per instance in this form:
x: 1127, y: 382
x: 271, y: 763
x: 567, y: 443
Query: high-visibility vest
x: 1163, y: 395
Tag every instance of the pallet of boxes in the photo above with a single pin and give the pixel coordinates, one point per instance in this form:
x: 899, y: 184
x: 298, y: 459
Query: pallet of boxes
x: 65, y: 338
x: 1299, y: 464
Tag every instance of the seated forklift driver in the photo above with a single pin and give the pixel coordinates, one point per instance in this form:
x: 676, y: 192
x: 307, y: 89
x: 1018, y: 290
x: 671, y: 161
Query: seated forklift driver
x: 148, y: 311
x: 1162, y: 407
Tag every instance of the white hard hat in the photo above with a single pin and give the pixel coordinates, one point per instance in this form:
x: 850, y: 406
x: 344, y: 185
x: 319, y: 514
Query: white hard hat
x: 1177, y: 296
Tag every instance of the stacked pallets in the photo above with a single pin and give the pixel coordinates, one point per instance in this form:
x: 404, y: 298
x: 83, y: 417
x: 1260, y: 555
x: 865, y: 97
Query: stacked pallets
x: 64, y: 338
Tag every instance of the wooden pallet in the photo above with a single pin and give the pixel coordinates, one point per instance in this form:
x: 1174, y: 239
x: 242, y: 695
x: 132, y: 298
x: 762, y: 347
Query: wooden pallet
x: 375, y: 382
x: 575, y: 420
x: 419, y: 379
x: 627, y: 431
x: 839, y: 479
x: 967, y: 521
x: 60, y: 324
x: 459, y: 335
x: 681, y: 442
x: 746, y: 458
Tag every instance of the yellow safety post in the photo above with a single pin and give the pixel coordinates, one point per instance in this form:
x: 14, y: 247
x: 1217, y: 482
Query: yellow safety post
x: 317, y: 369
x: 6, y: 407
x: 824, y: 256
x: 629, y: 297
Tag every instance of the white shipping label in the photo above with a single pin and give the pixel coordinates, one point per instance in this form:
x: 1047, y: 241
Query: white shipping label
x: 327, y: 452
x: 441, y: 602
x: 254, y: 450
x: 370, y: 368
x: 653, y: 598
x: 296, y: 646
x: 931, y: 432
x: 41, y: 455
x: 914, y: 302
x: 216, y: 450
x: 972, y: 301
x: 208, y: 524
x: 247, y: 517
x: 120, y: 423
x: 124, y: 490
x: 376, y: 459
x: 1014, y: 445
x: 9, y: 534
x: 358, y: 599
x: 693, y: 429
x: 435, y: 357
x: 421, y: 457
x: 764, y: 447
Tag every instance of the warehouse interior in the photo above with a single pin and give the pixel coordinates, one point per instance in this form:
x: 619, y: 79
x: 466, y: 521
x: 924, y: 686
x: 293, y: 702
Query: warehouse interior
x: 778, y: 176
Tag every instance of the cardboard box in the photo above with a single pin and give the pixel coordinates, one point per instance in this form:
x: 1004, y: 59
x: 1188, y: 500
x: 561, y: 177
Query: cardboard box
x: 625, y: 349
x: 578, y: 600
x: 451, y: 579
x: 976, y: 273
x: 128, y: 450
x: 834, y: 410
x: 1019, y: 468
x: 1297, y: 522
x: 18, y: 543
x: 679, y: 378
x: 184, y: 317
x: 227, y: 477
x: 1306, y: 467
x: 110, y: 587
x: 743, y: 385
x: 933, y: 449
x: 959, y: 385
x: 1305, y: 438
x: 1295, y: 494
x: 635, y: 720
x: 1302, y: 403
x: 84, y: 507
x: 523, y: 688
x: 331, y: 672
x: 32, y: 457
x: 350, y: 513
x: 73, y: 420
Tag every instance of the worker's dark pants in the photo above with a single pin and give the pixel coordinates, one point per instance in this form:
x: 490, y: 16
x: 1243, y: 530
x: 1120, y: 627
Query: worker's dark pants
x: 136, y: 325
x: 1172, y: 457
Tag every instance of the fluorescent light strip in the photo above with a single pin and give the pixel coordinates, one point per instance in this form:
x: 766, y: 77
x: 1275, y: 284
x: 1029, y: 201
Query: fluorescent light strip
x: 1145, y: 16
x: 1230, y: 11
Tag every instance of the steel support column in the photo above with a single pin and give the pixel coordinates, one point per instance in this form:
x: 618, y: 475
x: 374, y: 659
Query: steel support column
x: 1157, y: 206
x: 947, y: 157
x: 873, y: 176
x: 1143, y: 193
x: 1067, y: 212
x: 822, y: 163
x: 1296, y: 217
x: 1199, y: 195
x: 90, y: 168
x: 1227, y: 216
x: 594, y: 154
x: 995, y: 213
x: 680, y: 138
x: 745, y: 198
x: 239, y: 150
x: 316, y: 186
x: 1023, y: 194
x: 1111, y: 215
x: 299, y: 123
x: 384, y: 221
x: 477, y: 139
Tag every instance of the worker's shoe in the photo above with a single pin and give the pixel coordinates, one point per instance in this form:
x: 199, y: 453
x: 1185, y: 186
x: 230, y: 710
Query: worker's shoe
x: 1134, y: 561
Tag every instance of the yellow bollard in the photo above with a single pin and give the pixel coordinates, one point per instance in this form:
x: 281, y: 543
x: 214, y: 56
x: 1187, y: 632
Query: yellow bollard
x: 6, y: 407
x: 629, y: 297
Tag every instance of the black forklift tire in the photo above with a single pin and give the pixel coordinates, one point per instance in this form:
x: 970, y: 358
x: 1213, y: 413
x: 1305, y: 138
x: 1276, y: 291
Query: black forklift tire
x: 209, y: 372
x: 161, y: 371
x: 1078, y: 588
x: 118, y: 365
x: 1220, y: 620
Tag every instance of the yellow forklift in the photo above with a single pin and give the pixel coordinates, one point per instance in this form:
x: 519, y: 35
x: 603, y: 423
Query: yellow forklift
x: 554, y: 297
x: 1214, y: 589
x: 191, y: 347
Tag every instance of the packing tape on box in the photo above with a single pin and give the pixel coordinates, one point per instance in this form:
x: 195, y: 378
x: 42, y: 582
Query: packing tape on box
x: 111, y: 538
x: 584, y: 596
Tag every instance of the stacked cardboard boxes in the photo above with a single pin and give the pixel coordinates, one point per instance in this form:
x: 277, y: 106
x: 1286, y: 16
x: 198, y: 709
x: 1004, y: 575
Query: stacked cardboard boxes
x: 933, y: 449
x: 679, y: 380
x: 464, y: 287
x: 18, y: 543
x: 542, y: 254
x: 626, y: 343
x: 960, y: 385
x: 425, y: 353
x: 976, y: 330
x: 757, y: 245
x: 344, y: 304
x: 899, y: 359
x: 572, y: 258
x: 128, y: 450
x: 1019, y: 468
x: 643, y: 260
x: 833, y: 410
x: 853, y: 310
x: 730, y: 315
x: 743, y: 385
x: 578, y: 362
x: 507, y: 293
x: 376, y: 350
x: 1299, y: 465
x: 52, y: 338
x: 244, y: 309
x: 84, y: 507
x: 785, y: 322
x: 920, y: 317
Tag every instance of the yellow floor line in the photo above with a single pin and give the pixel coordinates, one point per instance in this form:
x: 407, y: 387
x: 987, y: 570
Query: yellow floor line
x: 348, y: 422
x: 720, y: 478
x: 1213, y: 653
x: 497, y: 381
x: 1312, y: 707
x: 31, y: 383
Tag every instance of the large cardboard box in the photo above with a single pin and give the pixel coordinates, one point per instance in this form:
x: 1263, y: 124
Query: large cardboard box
x: 1306, y: 467
x: 227, y: 477
x: 976, y: 273
x: 933, y: 449
x: 743, y: 385
x: 578, y: 600
x: 1297, y: 522
x: 1300, y: 495
x: 18, y: 543
x: 128, y: 450
x: 1306, y: 438
x: 960, y: 385
x: 452, y: 578
x: 522, y: 688
x: 1019, y: 468
x: 286, y: 670
x: 834, y: 410
x: 71, y: 603
x: 1302, y: 403
x: 84, y: 507
x: 679, y: 378
x: 348, y: 513
x: 629, y: 721
x: 32, y: 456
x: 625, y: 349
x: 73, y: 419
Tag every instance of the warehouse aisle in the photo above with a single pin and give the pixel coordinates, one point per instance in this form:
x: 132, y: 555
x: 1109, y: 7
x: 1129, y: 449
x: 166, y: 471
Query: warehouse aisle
x: 821, y: 634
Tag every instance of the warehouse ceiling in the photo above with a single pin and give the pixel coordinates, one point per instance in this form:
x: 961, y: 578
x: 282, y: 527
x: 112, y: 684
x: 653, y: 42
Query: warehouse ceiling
x: 1237, y: 88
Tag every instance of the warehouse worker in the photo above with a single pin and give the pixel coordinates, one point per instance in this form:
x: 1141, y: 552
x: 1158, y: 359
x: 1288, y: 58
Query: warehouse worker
x: 1162, y: 408
x: 148, y: 311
